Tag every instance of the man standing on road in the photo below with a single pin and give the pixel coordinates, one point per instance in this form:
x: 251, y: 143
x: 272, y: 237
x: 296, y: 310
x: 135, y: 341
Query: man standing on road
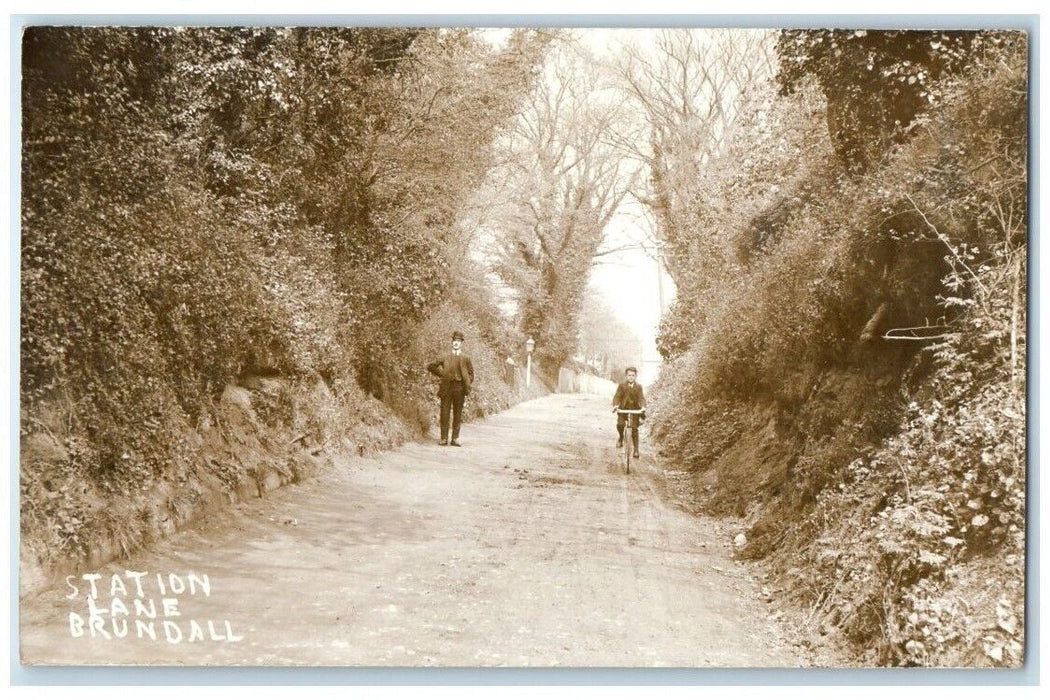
x: 629, y: 397
x: 457, y: 374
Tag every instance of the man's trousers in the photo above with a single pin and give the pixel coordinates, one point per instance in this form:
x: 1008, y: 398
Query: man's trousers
x: 452, y: 400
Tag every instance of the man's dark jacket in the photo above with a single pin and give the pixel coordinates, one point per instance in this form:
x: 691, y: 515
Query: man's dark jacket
x: 447, y: 369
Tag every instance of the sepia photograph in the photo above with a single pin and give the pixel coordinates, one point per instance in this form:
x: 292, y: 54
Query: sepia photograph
x: 524, y: 346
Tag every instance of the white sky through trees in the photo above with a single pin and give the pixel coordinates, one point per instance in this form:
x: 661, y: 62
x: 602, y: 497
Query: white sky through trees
x: 629, y: 281
x: 627, y: 276
x: 688, y: 81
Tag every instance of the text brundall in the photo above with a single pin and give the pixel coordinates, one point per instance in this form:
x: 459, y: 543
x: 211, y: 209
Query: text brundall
x: 143, y: 605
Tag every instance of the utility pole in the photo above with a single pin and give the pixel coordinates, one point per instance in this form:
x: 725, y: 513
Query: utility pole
x: 530, y: 345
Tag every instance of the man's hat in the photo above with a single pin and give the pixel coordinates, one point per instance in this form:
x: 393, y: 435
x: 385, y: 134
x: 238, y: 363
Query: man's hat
x: 456, y: 335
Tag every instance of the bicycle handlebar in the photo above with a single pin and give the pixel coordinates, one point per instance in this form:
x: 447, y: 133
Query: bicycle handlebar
x: 630, y: 410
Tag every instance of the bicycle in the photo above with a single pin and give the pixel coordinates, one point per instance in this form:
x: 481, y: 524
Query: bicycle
x: 628, y: 433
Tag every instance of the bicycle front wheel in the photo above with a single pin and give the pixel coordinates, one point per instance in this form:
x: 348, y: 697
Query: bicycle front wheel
x: 628, y: 442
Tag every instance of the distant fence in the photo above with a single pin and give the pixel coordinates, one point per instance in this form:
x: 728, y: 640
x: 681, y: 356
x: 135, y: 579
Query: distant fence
x: 572, y: 382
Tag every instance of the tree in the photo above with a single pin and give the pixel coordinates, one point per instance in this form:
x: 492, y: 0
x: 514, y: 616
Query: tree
x: 690, y: 89
x: 561, y: 180
x: 876, y: 82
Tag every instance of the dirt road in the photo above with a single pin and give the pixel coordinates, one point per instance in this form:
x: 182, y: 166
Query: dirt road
x: 528, y: 546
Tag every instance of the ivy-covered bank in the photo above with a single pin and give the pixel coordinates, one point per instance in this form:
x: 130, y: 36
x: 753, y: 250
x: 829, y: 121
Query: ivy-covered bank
x: 240, y: 248
x: 847, y: 350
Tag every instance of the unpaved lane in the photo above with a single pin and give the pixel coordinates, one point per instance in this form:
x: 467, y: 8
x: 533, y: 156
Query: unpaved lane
x: 525, y: 547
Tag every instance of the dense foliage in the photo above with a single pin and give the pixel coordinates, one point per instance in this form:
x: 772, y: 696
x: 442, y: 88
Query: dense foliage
x: 202, y: 206
x: 850, y: 376
x: 875, y: 82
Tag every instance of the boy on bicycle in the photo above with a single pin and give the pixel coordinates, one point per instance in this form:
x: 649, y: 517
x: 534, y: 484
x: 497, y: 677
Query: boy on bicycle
x: 629, y: 397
